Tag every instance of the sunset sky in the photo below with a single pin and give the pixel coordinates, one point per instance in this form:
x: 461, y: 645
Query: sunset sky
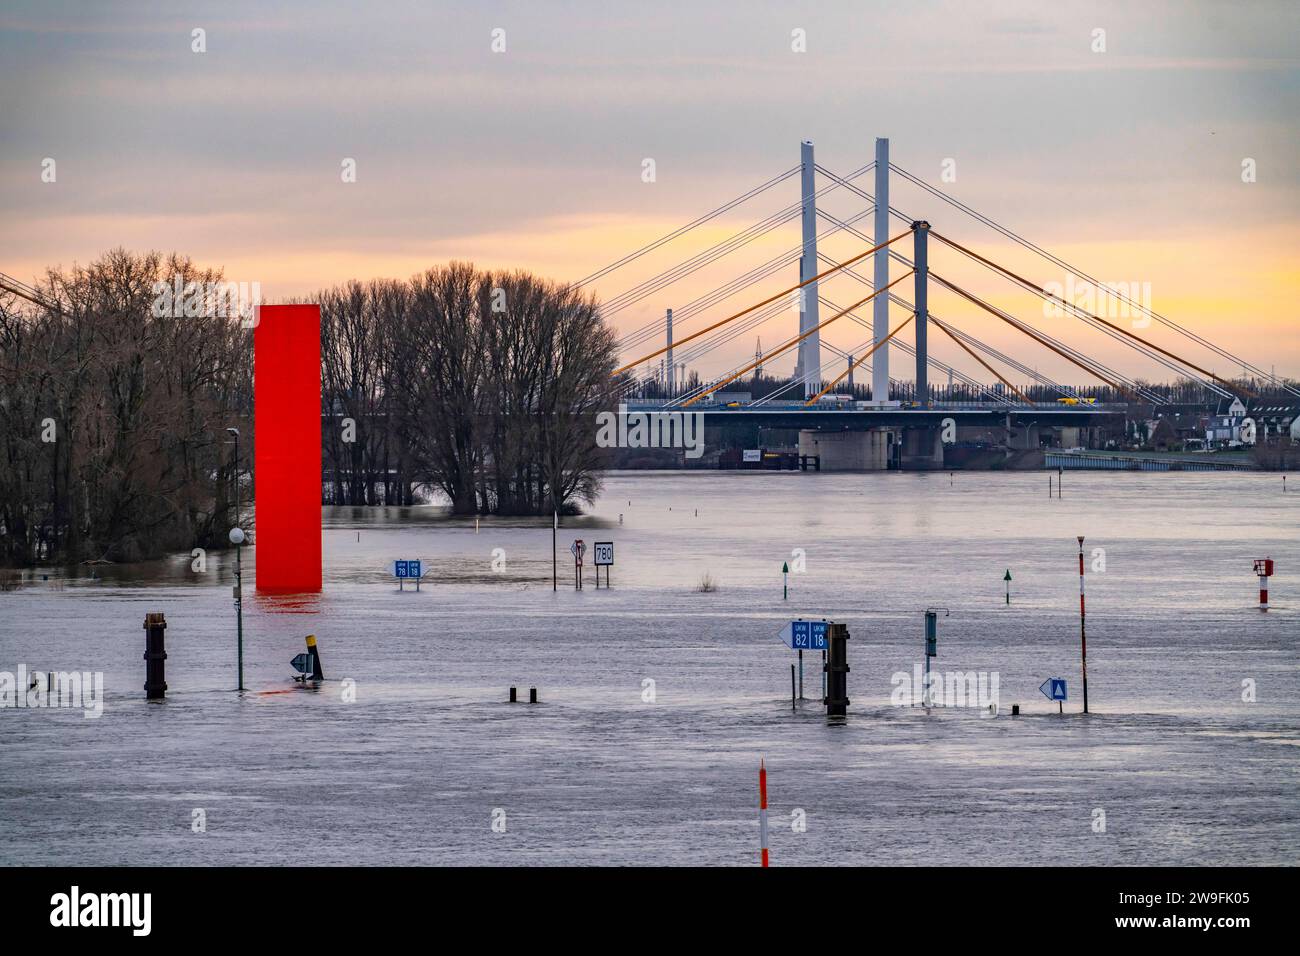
x: 1127, y: 163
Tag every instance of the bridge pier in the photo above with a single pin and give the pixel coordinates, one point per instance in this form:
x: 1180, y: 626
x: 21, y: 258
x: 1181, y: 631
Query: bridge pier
x: 922, y: 450
x: 849, y: 450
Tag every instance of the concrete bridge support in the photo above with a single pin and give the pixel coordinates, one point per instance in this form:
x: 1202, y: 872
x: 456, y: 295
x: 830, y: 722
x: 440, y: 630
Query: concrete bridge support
x: 849, y: 451
x: 922, y: 450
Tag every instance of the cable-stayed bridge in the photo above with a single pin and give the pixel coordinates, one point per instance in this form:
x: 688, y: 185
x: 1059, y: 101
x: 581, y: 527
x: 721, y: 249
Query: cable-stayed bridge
x: 903, y: 262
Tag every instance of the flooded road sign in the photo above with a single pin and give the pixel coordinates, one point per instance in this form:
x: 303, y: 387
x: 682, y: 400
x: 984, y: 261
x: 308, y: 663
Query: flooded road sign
x: 805, y: 635
x: 411, y: 570
x: 1054, y: 689
x: 302, y: 663
x: 577, y: 549
x: 603, y: 557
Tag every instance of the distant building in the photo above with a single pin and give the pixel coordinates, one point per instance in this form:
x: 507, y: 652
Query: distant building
x: 1274, y: 421
x: 1225, y: 426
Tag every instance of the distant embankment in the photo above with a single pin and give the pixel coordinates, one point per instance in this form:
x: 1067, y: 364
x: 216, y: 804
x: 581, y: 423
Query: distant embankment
x: 1104, y: 462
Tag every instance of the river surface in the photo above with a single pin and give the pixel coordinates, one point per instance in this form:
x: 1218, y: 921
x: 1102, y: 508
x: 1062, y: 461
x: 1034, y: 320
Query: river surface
x: 409, y: 754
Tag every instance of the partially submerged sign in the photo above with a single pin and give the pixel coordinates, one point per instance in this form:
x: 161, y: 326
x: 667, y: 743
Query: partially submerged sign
x: 407, y: 569
x: 805, y: 635
x: 1054, y: 688
x: 603, y: 555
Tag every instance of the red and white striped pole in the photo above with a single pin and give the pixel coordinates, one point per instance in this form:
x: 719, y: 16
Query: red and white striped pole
x: 1264, y: 568
x: 1083, y: 630
x: 762, y: 808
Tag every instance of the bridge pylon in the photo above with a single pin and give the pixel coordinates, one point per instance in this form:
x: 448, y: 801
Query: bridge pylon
x: 880, y: 277
x: 920, y: 234
x: 809, y: 364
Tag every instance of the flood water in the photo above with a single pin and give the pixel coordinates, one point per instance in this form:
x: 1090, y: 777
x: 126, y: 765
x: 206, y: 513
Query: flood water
x: 417, y: 767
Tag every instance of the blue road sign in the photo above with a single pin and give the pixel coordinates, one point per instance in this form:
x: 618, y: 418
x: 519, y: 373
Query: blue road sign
x: 301, y: 663
x: 1054, y: 688
x: 805, y: 635
x: 406, y: 569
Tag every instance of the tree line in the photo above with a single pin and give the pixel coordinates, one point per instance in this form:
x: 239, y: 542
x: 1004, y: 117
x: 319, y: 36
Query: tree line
x: 481, y: 385
x: 461, y: 384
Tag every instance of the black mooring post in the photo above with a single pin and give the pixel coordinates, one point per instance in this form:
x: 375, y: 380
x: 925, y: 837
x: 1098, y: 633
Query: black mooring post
x: 155, y: 683
x: 837, y: 672
x: 316, y: 672
x: 512, y: 695
x: 532, y: 695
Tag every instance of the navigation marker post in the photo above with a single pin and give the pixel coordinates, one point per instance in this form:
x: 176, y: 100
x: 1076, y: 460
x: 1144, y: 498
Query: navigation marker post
x: 1263, y: 568
x: 1083, y: 631
x: 785, y: 580
x: 1007, y: 578
x: 578, y: 549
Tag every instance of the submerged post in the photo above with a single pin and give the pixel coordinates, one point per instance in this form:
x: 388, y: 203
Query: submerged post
x: 1083, y: 631
x: 931, y: 650
x: 920, y: 233
x: 837, y: 671
x: 314, y: 654
x: 155, y: 682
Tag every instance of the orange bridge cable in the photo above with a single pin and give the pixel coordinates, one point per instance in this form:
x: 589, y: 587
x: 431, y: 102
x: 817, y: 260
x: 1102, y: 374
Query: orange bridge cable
x: 1035, y: 336
x: 785, y: 347
x: 29, y: 296
x: 992, y: 371
x: 1069, y: 305
x: 758, y: 305
x: 865, y: 355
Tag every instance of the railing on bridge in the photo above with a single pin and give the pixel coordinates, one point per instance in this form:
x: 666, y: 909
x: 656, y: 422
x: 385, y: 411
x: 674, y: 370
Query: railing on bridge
x: 1104, y: 462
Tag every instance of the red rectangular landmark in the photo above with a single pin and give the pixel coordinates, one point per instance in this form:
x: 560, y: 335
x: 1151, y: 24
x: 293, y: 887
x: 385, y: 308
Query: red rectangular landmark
x: 287, y: 407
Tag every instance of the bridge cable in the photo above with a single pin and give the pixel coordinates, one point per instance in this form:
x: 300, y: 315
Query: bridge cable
x: 773, y: 298
x: 1033, y: 335
x: 865, y: 355
x: 1064, y: 390
x: 667, y: 277
x: 799, y: 338
x: 1170, y: 323
x: 1120, y: 329
x: 713, y: 214
x: 972, y: 354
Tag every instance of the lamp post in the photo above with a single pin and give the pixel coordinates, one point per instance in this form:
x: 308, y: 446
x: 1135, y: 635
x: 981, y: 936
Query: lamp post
x: 237, y: 539
x: 235, y: 433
